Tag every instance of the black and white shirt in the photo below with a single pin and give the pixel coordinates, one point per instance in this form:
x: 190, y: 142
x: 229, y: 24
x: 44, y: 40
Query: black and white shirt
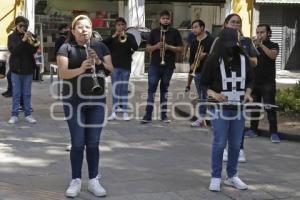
x: 231, y: 79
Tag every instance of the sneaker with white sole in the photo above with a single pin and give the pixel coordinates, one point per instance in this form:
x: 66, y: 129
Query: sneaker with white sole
x: 74, y: 188
x: 112, y: 117
x: 119, y: 110
x: 242, y: 156
x: 95, y: 187
x: 68, y: 148
x: 225, y: 155
x: 13, y: 120
x: 126, y: 117
x: 215, y: 184
x: 30, y: 119
x: 196, y: 123
x: 165, y: 119
x: 275, y: 138
x: 236, y: 182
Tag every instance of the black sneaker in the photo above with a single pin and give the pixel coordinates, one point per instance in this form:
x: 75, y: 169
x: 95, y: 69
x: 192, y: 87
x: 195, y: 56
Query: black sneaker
x: 165, y: 119
x: 7, y: 94
x: 146, y: 119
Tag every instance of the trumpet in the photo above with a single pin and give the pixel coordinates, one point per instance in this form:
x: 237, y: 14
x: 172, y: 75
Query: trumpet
x: 163, y: 30
x: 32, y: 39
x: 197, y: 60
x: 122, y: 38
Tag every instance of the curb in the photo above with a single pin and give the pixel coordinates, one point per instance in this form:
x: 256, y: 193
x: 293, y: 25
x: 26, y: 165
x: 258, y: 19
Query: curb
x: 261, y: 132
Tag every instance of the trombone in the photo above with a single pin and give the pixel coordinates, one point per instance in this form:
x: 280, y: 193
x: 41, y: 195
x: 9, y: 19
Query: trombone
x: 197, y: 60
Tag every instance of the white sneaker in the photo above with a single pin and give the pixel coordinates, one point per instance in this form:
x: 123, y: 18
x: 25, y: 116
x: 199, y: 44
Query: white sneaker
x: 74, y: 188
x: 13, y: 120
x: 215, y: 184
x: 242, y: 156
x: 113, y: 116
x: 30, y: 119
x: 196, y: 123
x: 95, y: 187
x: 225, y: 155
x: 236, y: 182
x: 126, y: 117
x: 119, y: 110
x: 68, y: 148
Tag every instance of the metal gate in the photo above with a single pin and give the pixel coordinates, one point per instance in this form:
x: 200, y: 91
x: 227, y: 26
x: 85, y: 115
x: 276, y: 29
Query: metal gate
x: 272, y: 15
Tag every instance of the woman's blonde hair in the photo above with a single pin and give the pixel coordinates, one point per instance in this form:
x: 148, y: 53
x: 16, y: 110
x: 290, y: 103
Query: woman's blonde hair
x: 80, y: 17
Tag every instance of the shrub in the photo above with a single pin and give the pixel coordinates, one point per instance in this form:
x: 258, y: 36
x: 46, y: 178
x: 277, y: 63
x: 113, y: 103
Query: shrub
x: 289, y: 99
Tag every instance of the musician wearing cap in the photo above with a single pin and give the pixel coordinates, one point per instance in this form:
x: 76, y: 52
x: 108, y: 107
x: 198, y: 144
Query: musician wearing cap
x: 163, y: 44
x: 121, y: 45
x: 227, y: 76
x: 199, y: 50
x: 22, y: 46
x: 81, y: 61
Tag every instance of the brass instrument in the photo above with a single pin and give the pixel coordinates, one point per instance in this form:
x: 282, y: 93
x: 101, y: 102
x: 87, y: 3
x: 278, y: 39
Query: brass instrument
x: 32, y: 39
x: 163, y: 30
x: 96, y: 86
x: 122, y: 38
x: 197, y: 60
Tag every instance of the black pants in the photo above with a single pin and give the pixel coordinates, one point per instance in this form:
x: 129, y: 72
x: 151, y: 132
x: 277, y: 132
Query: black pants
x: 9, y: 83
x: 265, y: 93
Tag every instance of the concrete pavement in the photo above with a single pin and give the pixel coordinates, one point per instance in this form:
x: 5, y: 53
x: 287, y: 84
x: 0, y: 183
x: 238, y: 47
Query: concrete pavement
x: 156, y: 161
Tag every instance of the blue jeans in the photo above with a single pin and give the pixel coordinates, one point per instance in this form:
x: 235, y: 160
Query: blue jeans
x: 156, y: 74
x: 21, y: 85
x: 226, y: 130
x: 202, y: 94
x: 120, y: 89
x: 84, y: 137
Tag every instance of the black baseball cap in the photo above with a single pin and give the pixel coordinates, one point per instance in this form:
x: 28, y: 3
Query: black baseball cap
x: 229, y: 37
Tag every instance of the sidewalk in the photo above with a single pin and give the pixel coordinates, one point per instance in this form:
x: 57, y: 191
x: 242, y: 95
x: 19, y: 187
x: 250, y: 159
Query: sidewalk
x: 138, y: 162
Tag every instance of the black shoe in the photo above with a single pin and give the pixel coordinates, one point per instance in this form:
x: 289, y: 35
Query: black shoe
x: 165, y: 119
x: 7, y: 94
x: 146, y: 119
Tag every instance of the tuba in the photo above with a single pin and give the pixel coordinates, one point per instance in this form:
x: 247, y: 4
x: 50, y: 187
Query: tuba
x: 163, y: 30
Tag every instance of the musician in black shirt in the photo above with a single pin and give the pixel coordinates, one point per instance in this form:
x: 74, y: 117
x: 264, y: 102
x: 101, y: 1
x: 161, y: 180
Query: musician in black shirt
x: 84, y: 109
x: 163, y: 44
x: 63, y: 30
x: 265, y: 74
x: 199, y: 50
x: 122, y: 45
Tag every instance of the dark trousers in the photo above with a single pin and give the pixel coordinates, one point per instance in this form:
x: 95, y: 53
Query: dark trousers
x: 265, y: 93
x: 156, y: 74
x: 9, y: 83
x: 85, y: 119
